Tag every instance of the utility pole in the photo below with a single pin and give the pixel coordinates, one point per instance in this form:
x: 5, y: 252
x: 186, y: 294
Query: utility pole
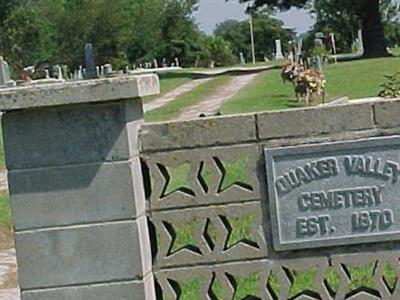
x: 252, y: 37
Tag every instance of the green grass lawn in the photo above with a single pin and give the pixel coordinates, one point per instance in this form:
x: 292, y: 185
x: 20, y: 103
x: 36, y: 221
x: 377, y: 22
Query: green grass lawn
x: 193, y: 97
x: 169, y: 82
x: 5, y: 213
x: 2, y: 161
x: 355, y: 79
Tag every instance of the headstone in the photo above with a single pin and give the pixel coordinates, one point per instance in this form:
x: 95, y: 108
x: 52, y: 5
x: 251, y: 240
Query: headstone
x: 318, y: 43
x: 107, y: 69
x: 59, y: 73
x: 89, y: 62
x: 176, y: 61
x: 155, y: 63
x: 47, y: 73
x: 80, y: 73
x: 98, y: 71
x: 333, y: 44
x: 360, y: 44
x: 319, y: 64
x: 278, y: 52
x: 164, y: 63
x: 242, y: 59
x: 65, y: 71
x: 5, y: 77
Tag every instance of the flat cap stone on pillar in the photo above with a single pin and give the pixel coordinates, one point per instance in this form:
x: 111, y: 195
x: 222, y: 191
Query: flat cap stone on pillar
x: 90, y: 91
x: 76, y: 188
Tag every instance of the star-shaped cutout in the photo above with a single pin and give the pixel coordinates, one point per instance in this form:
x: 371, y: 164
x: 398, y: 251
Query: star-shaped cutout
x: 362, y: 276
x: 332, y: 281
x: 273, y: 285
x: 176, y: 179
x: 182, y: 237
x: 233, y: 173
x: 301, y: 281
x: 216, y: 289
x: 390, y: 276
x: 240, y: 230
x: 191, y: 290
x: 247, y: 287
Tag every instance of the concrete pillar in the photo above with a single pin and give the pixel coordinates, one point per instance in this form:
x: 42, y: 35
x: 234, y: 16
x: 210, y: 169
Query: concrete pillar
x: 76, y: 189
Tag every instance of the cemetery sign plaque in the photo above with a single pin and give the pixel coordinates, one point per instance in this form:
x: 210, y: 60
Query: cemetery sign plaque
x: 333, y: 194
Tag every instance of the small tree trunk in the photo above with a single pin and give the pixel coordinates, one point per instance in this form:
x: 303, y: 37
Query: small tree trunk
x: 374, y: 39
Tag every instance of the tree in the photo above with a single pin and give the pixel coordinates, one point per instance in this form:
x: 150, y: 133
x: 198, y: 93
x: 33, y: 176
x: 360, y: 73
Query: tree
x: 367, y: 12
x: 266, y: 30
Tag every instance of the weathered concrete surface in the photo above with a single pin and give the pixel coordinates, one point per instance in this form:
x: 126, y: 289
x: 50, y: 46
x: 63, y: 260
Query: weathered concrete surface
x: 387, y: 113
x: 67, y: 93
x: 222, y: 248
x: 171, y: 96
x: 200, y: 132
x: 211, y: 105
x: 80, y: 255
x: 76, y: 187
x: 314, y: 121
x: 118, y: 291
x: 71, y: 135
x: 58, y: 197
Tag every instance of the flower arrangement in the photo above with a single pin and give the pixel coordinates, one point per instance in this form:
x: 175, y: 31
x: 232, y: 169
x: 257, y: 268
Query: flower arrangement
x: 308, y: 83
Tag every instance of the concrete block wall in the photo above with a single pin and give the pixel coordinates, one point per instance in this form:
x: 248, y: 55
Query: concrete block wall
x: 76, y: 189
x: 209, y: 207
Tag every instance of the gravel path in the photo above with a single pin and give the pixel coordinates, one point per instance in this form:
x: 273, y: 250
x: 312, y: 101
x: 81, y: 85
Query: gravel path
x: 8, y: 266
x: 215, y: 101
x: 171, y: 96
x: 3, y: 180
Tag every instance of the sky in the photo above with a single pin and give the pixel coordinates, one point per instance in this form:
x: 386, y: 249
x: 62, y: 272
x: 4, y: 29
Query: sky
x: 212, y: 12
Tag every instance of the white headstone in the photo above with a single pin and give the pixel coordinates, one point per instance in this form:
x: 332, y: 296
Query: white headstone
x: 59, y: 73
x: 176, y: 61
x: 242, y: 59
x: 360, y: 46
x: 155, y: 63
x: 278, y: 52
x: 4, y: 72
x: 80, y: 73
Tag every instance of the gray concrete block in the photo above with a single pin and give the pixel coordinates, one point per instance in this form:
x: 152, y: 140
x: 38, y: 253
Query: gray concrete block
x: 78, y: 194
x: 71, y: 135
x: 132, y: 290
x: 99, y: 90
x: 314, y: 121
x: 81, y: 255
x: 196, y: 133
x: 387, y: 113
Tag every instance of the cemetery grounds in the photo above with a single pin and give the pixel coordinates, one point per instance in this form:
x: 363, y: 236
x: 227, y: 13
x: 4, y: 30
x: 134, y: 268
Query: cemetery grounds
x: 355, y: 79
